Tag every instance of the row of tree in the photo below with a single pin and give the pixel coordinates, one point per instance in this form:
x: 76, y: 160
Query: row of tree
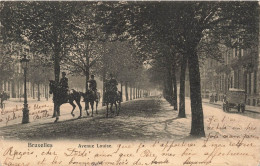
x: 180, y: 34
x: 120, y: 37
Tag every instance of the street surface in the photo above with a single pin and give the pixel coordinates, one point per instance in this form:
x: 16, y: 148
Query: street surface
x: 149, y: 118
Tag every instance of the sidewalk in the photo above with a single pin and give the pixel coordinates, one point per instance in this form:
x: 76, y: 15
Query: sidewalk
x: 220, y: 103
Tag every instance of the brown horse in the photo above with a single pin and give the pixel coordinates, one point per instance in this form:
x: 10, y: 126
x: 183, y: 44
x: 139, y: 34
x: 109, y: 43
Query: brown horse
x: 113, y: 97
x: 60, y: 97
x: 89, y: 98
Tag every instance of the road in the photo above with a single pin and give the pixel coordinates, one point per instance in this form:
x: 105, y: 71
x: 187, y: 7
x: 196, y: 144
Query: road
x: 149, y: 118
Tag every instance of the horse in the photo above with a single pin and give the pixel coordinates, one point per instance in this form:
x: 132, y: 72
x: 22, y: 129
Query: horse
x: 90, y: 97
x: 113, y: 97
x: 60, y: 96
x: 3, y: 96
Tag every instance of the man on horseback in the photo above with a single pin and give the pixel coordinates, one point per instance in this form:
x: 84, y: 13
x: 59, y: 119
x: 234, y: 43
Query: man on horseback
x: 64, y: 81
x: 93, y: 85
x: 112, y: 84
x: 112, y: 95
x: 64, y: 86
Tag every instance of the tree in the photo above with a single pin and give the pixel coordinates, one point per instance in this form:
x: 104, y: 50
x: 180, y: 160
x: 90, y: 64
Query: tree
x: 195, y: 20
x: 48, y: 25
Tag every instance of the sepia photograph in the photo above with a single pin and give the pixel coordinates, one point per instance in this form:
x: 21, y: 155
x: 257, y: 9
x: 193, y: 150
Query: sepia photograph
x: 124, y: 83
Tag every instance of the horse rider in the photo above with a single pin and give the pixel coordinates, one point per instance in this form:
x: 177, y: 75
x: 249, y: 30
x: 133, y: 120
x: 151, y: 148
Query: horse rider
x: 64, y: 83
x: 112, y: 84
x: 93, y: 85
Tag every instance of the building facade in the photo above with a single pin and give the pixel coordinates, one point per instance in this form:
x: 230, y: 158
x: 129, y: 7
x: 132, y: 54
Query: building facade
x: 240, y: 69
x: 13, y: 84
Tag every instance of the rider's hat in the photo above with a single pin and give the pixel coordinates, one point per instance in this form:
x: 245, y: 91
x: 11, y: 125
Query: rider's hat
x: 63, y: 73
x: 92, y: 75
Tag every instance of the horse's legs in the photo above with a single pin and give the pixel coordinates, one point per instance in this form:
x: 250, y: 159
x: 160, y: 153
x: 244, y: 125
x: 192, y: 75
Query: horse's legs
x: 96, y: 107
x: 92, y: 107
x: 107, y: 109
x: 111, y: 108
x: 119, y: 107
x: 79, y: 105
x: 57, y: 114
x: 74, y: 106
x: 116, y: 109
x: 86, y: 107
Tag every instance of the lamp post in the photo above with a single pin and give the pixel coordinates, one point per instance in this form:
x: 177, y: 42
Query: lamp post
x: 24, y: 62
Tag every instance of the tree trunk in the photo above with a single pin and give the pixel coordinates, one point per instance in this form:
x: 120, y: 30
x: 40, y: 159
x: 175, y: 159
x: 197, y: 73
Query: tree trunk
x: 46, y: 92
x: 126, y: 92
x: 87, y: 70
x: 175, y: 103
x: 182, y: 113
x: 18, y: 89
x: 104, y: 88
x: 33, y: 91
x: 86, y: 83
x: 131, y: 93
x: 121, y: 89
x: 197, y: 125
x: 57, y: 77
x: 136, y: 93
x: 245, y: 82
x: 169, y: 88
x: 1, y: 86
x: 86, y: 86
x: 39, y: 94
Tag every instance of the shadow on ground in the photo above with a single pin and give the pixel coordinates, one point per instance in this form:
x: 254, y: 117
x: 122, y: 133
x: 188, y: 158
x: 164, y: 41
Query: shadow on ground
x: 143, y: 119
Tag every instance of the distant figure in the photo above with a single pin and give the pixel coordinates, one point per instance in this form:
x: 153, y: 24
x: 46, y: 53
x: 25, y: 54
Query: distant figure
x: 211, y: 99
x: 3, y: 96
x: 224, y: 98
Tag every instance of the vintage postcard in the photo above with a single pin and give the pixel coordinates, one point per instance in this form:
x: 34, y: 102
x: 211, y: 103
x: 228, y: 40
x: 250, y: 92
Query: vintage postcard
x: 124, y: 83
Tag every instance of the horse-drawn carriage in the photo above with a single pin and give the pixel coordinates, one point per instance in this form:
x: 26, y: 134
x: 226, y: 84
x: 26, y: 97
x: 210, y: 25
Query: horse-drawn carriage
x: 235, y: 98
